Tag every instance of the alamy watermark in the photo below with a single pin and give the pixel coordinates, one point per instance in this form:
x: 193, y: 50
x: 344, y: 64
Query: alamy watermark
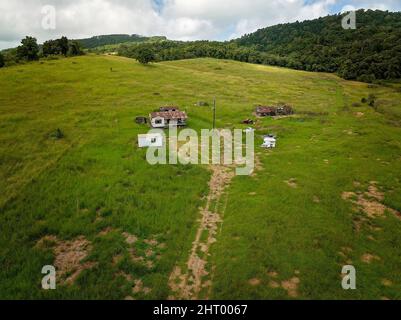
x: 349, y: 277
x: 49, y: 18
x: 49, y: 280
x: 216, y: 147
x: 348, y: 22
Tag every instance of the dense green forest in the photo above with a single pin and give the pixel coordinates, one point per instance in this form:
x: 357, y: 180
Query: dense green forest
x: 112, y: 39
x: 370, y: 52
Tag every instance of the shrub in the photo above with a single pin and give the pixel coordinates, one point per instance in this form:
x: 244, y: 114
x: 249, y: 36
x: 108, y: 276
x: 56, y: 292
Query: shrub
x: 56, y: 134
x: 2, y: 63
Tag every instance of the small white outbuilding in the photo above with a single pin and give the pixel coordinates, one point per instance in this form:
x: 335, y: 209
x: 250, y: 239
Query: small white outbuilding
x: 269, y: 142
x: 150, y: 140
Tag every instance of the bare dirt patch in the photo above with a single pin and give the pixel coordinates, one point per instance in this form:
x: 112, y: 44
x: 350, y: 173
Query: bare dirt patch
x: 47, y: 242
x: 291, y: 286
x: 106, y: 231
x: 370, y: 202
x: 151, y: 242
x: 369, y: 258
x: 272, y: 274
x: 292, y: 183
x: 254, y: 282
x: 130, y: 238
x: 69, y: 256
x: 387, y: 283
x: 316, y: 199
x: 274, y: 284
x: 139, y: 288
x: 126, y: 276
x: 117, y: 259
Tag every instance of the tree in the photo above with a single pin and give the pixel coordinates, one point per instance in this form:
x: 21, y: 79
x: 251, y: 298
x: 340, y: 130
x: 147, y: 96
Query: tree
x: 63, y: 45
x: 74, y: 48
x: 50, y: 47
x: 145, y: 55
x: 2, y: 63
x: 28, y: 50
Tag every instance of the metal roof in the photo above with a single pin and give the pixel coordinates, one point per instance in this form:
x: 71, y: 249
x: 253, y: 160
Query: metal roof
x: 169, y: 115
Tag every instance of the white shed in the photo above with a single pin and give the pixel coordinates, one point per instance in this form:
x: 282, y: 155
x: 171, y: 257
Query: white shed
x: 166, y: 119
x: 150, y: 140
x: 269, y: 142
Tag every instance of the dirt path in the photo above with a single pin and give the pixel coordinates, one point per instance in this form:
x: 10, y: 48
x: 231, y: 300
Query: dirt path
x: 188, y: 284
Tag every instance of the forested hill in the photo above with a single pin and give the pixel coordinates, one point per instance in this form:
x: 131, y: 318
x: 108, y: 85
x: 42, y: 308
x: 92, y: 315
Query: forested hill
x: 369, y: 53
x: 99, y: 41
x: 372, y: 51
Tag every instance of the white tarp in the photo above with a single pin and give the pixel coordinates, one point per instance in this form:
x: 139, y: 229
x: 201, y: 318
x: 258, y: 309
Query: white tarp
x: 150, y: 140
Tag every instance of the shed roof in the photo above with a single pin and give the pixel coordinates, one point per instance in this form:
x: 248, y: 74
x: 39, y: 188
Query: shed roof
x: 170, y: 115
x: 265, y: 109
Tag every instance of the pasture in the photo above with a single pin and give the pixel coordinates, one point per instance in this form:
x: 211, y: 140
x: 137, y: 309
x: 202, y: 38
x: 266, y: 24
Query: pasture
x: 117, y: 227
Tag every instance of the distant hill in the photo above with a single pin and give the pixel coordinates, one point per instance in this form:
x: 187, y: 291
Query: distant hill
x: 369, y: 53
x: 113, y: 39
x: 372, y: 51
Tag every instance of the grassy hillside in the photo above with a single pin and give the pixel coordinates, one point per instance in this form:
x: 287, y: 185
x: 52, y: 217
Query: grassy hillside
x: 287, y: 230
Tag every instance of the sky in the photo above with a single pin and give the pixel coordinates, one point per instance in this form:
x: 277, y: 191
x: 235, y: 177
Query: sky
x: 176, y: 19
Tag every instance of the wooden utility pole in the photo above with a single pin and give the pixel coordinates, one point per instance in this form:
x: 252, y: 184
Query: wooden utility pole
x: 214, y: 113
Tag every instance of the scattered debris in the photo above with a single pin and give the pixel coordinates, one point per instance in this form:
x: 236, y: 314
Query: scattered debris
x: 272, y: 111
x: 141, y: 120
x: 248, y: 121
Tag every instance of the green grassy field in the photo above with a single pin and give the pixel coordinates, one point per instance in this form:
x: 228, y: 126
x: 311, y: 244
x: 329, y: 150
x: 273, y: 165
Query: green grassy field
x: 287, y: 230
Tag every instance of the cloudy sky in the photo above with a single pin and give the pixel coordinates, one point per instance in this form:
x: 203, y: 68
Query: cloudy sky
x: 176, y: 19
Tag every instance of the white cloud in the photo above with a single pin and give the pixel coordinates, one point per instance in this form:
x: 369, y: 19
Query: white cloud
x: 176, y: 19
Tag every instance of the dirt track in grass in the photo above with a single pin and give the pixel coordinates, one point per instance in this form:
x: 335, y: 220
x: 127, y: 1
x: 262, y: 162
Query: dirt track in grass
x: 189, y: 284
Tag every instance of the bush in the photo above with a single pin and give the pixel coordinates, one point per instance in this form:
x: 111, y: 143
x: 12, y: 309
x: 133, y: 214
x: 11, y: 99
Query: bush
x: 57, y: 134
x: 28, y: 50
x: 145, y: 55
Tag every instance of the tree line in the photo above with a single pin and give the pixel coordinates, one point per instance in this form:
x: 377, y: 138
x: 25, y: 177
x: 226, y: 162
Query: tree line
x: 370, y: 52
x: 30, y: 50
